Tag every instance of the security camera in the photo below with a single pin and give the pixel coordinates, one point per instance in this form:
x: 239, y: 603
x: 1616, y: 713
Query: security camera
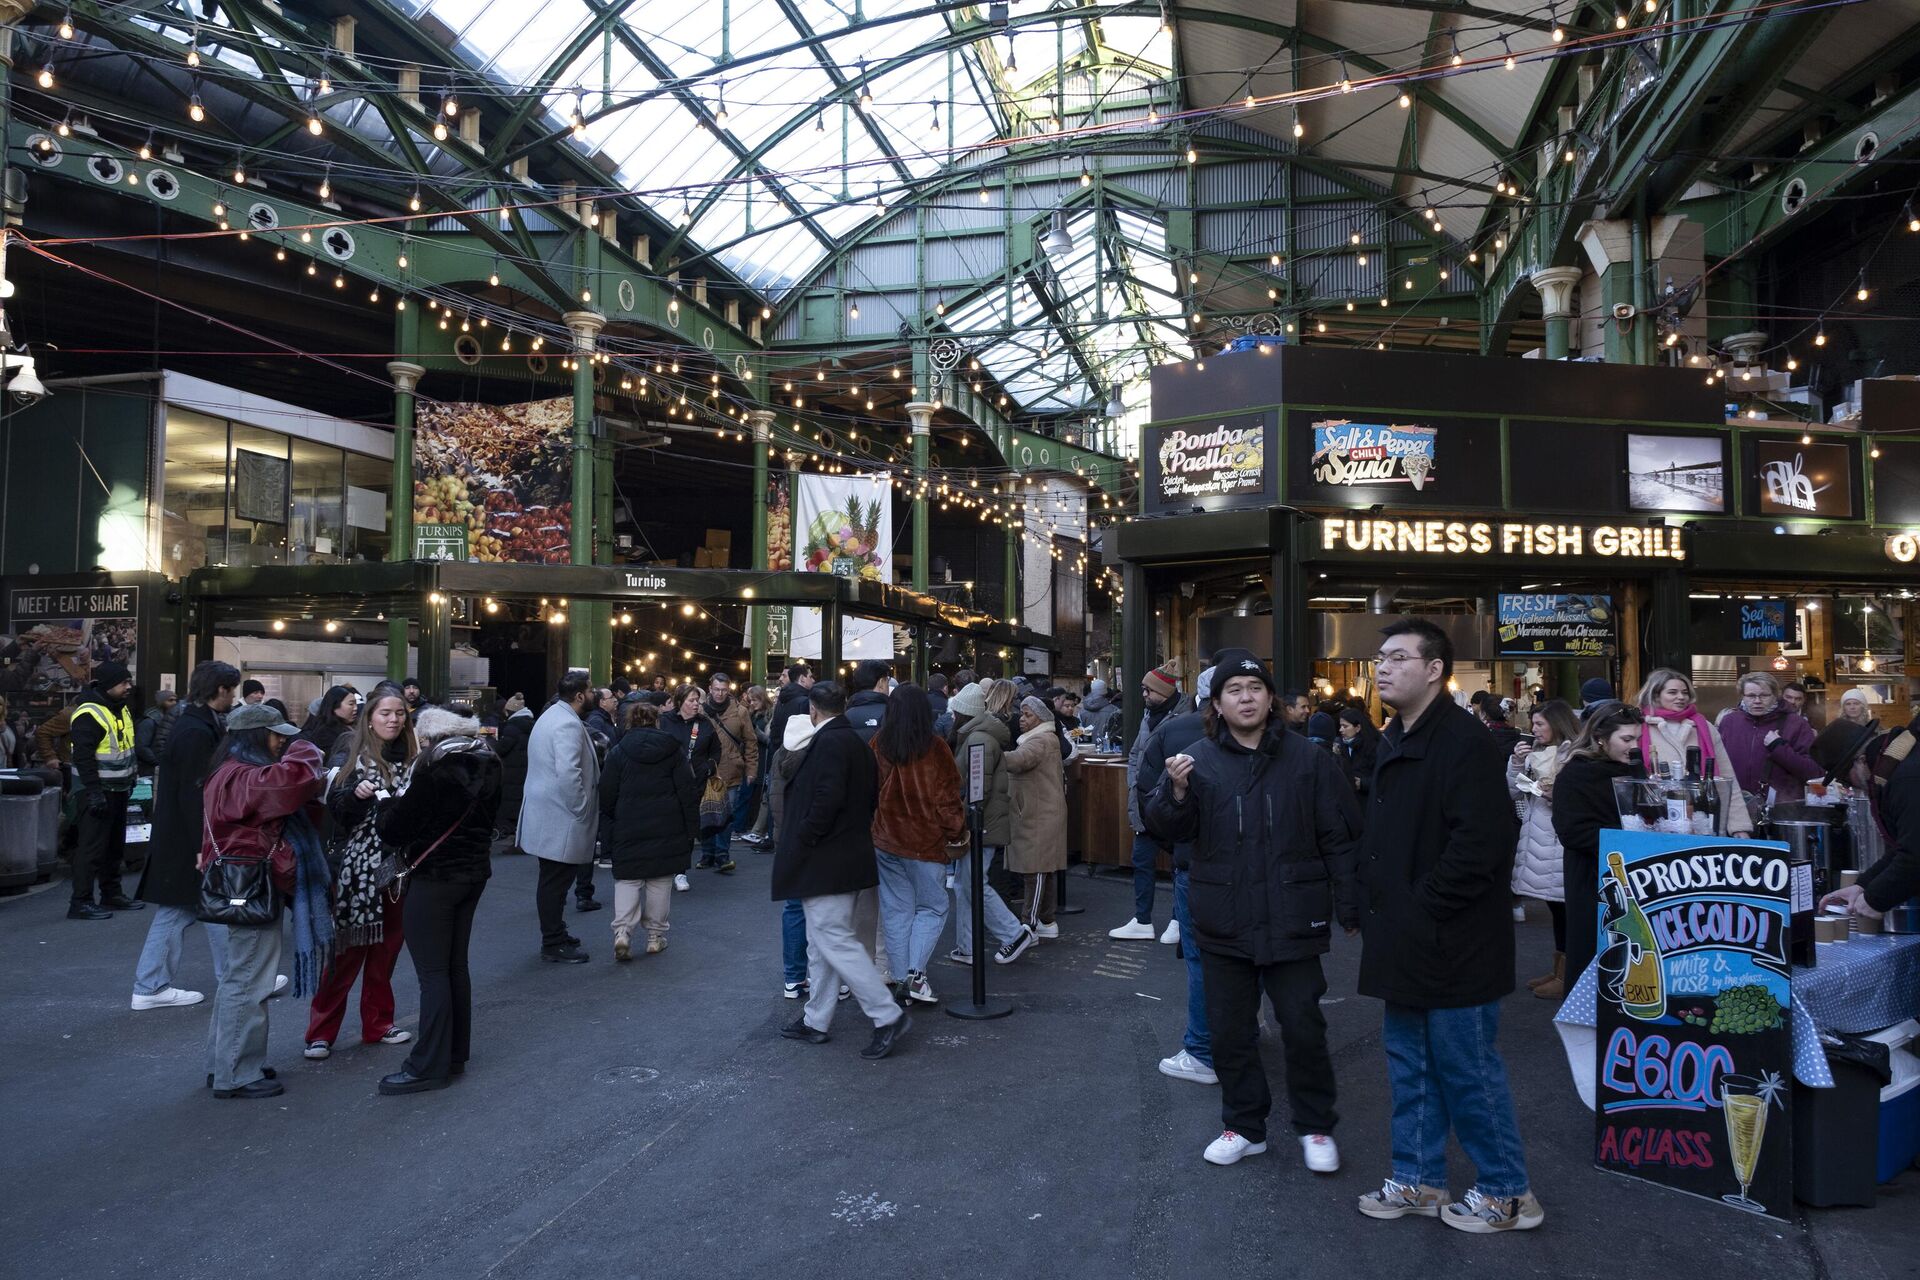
x: 24, y: 382
x: 1625, y: 311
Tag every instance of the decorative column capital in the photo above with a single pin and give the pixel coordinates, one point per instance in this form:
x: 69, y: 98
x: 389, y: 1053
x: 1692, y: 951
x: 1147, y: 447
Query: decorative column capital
x: 762, y: 420
x: 1556, y: 285
x: 586, y: 326
x: 920, y: 414
x: 1745, y: 347
x: 405, y: 374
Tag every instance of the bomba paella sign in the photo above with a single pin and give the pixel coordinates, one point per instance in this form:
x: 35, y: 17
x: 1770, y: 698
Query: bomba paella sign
x: 1214, y: 465
x: 1370, y: 453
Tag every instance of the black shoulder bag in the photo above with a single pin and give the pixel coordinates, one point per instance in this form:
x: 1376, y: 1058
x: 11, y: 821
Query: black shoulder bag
x: 238, y: 891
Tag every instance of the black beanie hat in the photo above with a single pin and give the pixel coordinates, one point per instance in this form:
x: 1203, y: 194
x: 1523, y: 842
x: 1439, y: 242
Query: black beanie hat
x: 1228, y: 663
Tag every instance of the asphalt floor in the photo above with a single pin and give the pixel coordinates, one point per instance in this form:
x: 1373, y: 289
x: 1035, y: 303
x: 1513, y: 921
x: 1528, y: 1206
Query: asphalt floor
x: 645, y: 1119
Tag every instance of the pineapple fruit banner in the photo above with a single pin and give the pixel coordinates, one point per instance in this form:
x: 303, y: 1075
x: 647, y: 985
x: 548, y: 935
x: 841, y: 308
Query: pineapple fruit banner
x: 844, y: 525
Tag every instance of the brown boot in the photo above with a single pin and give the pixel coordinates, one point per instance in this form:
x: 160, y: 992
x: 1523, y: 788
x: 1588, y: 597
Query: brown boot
x: 1559, y: 961
x: 1555, y: 987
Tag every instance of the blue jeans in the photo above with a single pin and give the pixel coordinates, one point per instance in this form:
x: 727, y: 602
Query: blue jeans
x: 160, y: 957
x: 913, y: 910
x: 1445, y: 1071
x: 1197, y: 1041
x: 1000, y: 922
x: 715, y: 844
x: 1145, y: 850
x: 793, y: 941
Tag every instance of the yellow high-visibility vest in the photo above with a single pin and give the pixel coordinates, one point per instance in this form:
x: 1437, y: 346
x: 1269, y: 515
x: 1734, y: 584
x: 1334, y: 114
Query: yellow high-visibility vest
x: 114, y: 758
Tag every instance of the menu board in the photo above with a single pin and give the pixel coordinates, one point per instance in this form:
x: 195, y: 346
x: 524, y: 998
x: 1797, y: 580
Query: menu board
x: 260, y: 487
x: 1555, y: 626
x: 1213, y: 464
x: 1804, y: 479
x: 1694, y: 1044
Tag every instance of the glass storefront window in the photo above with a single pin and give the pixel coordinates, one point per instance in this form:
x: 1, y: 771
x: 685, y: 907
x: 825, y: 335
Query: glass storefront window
x: 193, y: 493
x: 315, y: 532
x: 241, y: 495
x: 258, y: 489
x: 368, y: 480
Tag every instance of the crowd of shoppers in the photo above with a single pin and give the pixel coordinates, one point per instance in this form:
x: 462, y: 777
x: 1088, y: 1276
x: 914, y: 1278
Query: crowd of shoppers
x: 376, y: 824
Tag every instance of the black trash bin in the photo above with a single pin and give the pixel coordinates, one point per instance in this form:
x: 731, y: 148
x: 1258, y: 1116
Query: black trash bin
x: 19, y: 833
x: 1836, y: 1137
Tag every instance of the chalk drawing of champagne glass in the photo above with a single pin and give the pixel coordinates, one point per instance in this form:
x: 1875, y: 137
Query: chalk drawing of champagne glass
x: 1744, y: 1101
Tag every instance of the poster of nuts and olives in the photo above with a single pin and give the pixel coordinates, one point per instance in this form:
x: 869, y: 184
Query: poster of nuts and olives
x: 503, y: 471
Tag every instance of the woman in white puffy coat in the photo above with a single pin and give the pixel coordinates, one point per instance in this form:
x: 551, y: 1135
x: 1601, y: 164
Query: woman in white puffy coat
x: 1537, y: 871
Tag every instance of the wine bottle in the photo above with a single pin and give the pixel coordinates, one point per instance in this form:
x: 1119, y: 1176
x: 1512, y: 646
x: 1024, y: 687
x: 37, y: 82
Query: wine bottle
x: 1643, y: 992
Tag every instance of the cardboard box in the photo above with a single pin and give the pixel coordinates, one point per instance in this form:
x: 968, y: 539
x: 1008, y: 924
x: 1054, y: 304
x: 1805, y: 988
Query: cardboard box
x: 720, y: 539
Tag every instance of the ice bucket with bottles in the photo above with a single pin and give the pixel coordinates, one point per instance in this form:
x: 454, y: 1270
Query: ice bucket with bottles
x: 1674, y: 806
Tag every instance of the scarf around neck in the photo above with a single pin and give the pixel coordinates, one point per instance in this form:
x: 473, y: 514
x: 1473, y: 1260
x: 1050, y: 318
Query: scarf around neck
x: 1702, y: 735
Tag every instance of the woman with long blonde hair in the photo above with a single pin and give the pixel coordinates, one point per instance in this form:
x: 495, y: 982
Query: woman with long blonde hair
x: 1674, y: 726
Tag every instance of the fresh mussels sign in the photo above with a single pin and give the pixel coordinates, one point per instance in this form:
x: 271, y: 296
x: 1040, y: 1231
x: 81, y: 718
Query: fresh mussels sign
x: 1692, y: 995
x: 1214, y: 464
x: 1555, y: 626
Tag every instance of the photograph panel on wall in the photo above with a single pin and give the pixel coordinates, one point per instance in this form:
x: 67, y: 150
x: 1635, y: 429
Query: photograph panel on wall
x: 1676, y: 473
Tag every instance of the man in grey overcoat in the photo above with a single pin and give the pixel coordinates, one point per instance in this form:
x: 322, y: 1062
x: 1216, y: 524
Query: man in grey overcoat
x: 560, y: 811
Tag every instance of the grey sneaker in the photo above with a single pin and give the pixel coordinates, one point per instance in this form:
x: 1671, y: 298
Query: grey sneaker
x: 1398, y: 1200
x: 1484, y: 1214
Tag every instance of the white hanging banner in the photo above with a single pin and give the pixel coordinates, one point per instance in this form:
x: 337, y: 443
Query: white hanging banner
x: 844, y: 525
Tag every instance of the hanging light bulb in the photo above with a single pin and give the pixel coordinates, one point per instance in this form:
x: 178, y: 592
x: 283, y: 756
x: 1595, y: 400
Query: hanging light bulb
x: 315, y: 126
x: 45, y: 78
x: 66, y: 25
x: 413, y: 201
x: 1860, y: 293
x: 1619, y: 22
x: 866, y: 90
x: 1406, y: 100
x: 1509, y: 48
x: 720, y: 111
x: 1086, y: 176
x: 853, y: 310
x: 326, y: 83
x: 193, y: 53
x: 439, y: 130
x: 820, y: 123
x: 402, y: 262
x: 219, y: 207
x: 1792, y: 364
x: 239, y: 173
x: 449, y: 107
x: 1456, y: 60
x: 326, y: 184
x: 933, y: 128
x: 686, y: 213
x: 1559, y: 32
x: 1193, y: 156
x: 146, y: 148
x: 1299, y: 130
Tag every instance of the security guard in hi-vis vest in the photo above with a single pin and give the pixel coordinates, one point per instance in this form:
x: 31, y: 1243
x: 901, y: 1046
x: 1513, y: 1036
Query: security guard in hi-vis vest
x: 104, y: 759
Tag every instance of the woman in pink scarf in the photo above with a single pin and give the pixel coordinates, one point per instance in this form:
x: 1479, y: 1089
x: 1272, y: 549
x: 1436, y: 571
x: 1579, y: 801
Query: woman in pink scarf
x: 1674, y: 726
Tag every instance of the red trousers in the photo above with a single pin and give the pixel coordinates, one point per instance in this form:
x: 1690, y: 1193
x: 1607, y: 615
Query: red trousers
x: 376, y: 989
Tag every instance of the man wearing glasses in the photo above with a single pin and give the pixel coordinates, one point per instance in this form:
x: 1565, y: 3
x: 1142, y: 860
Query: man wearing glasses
x: 1769, y: 746
x: 1435, y: 861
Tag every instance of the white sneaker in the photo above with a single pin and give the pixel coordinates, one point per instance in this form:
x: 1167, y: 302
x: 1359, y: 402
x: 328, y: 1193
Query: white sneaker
x: 1132, y: 931
x: 318, y: 1049
x: 280, y: 985
x: 1046, y: 931
x: 1184, y: 1066
x: 396, y: 1035
x: 1229, y: 1147
x: 166, y: 999
x: 1519, y: 914
x: 918, y: 988
x: 794, y: 990
x: 1321, y: 1154
x: 680, y: 884
x: 960, y: 957
x: 1171, y: 934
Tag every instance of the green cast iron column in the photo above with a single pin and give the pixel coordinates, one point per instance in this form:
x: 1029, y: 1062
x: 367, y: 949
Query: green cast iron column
x: 586, y: 326
x: 920, y: 414
x: 762, y: 420
x: 406, y: 377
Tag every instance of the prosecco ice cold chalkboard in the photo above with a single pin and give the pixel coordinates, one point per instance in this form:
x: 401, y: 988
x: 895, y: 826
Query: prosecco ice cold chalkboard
x: 1695, y: 1048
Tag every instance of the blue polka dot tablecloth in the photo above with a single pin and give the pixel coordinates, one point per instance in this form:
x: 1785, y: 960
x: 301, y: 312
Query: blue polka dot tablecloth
x: 1870, y: 982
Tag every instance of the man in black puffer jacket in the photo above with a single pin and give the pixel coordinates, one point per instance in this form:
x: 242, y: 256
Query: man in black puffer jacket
x: 1273, y: 830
